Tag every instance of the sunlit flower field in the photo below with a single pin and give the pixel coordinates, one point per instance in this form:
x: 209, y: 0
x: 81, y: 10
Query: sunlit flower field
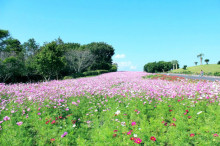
x: 120, y: 108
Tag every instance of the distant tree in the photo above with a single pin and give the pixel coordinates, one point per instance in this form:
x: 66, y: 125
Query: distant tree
x: 175, y: 64
x: 201, y: 57
x: 218, y: 62
x: 196, y: 63
x: 78, y: 60
x: 207, y: 61
x: 184, y: 67
x: 50, y: 60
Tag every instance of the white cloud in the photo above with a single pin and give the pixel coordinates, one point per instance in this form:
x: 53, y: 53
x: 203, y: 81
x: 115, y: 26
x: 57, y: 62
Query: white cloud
x: 124, y: 64
x: 133, y: 67
x: 119, y: 56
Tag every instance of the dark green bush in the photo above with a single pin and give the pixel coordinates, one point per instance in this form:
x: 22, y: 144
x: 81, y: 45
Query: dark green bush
x: 68, y: 77
x: 102, y: 71
x: 217, y: 74
x: 91, y: 73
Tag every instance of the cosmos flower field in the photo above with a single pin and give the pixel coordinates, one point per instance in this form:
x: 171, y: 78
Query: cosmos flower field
x: 120, y: 108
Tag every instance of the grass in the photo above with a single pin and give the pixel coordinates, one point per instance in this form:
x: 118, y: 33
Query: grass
x: 207, y: 69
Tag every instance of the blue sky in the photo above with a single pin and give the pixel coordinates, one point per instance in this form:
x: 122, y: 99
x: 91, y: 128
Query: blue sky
x: 140, y: 31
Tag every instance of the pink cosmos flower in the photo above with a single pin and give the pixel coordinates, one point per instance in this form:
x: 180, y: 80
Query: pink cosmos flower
x: 1, y: 122
x: 64, y: 134
x: 39, y: 113
x: 133, y: 123
x: 6, y: 118
x: 129, y: 133
x: 19, y: 123
x: 215, y: 135
x: 185, y: 113
x: 67, y: 109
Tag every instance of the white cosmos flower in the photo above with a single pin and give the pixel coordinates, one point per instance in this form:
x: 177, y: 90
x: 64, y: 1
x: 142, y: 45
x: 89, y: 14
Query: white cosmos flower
x: 199, y: 112
x: 118, y: 112
x: 74, y: 125
x: 135, y: 135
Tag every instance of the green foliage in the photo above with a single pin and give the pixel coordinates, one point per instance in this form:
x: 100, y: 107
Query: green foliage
x: 164, y: 119
x: 68, y: 77
x: 218, y: 63
x: 184, y: 67
x: 30, y: 62
x: 91, y: 73
x: 50, y: 60
x: 160, y: 66
x: 103, y: 53
x: 217, y: 74
x: 207, y: 61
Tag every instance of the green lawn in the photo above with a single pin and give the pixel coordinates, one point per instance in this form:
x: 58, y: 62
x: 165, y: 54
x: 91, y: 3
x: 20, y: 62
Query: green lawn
x: 210, y: 68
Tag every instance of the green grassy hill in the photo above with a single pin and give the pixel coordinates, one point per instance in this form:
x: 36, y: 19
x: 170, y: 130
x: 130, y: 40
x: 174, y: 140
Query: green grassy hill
x: 208, y: 69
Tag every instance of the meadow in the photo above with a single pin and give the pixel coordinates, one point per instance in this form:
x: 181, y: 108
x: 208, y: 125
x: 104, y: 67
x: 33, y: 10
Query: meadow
x: 120, y: 108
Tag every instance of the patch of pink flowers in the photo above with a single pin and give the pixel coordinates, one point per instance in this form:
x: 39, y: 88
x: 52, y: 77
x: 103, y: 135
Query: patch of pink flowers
x: 19, y: 123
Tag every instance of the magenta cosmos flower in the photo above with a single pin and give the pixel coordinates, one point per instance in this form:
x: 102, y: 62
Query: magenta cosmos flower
x: 133, y: 123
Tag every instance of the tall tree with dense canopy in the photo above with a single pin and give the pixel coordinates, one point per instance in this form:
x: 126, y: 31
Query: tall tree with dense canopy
x: 50, y: 60
x: 103, y: 53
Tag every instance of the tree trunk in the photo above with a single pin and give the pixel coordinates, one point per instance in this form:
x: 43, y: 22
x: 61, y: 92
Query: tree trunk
x: 201, y: 60
x: 176, y: 66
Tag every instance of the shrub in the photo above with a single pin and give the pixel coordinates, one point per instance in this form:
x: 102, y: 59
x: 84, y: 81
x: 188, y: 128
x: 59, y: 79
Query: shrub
x: 77, y: 75
x: 102, y: 71
x: 91, y: 73
x: 68, y: 77
x: 217, y: 74
x: 113, y: 68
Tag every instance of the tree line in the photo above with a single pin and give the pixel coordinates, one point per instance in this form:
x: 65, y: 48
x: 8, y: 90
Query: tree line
x: 30, y: 62
x: 160, y: 66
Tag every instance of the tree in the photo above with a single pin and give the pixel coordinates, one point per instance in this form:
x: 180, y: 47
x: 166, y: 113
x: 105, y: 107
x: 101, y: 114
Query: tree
x: 78, y: 60
x: 50, y: 60
x: 218, y: 62
x: 184, y: 67
x: 31, y: 47
x: 201, y: 57
x: 196, y: 63
x: 103, y: 53
x: 4, y: 34
x: 11, y: 67
x: 207, y: 61
x: 175, y: 63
